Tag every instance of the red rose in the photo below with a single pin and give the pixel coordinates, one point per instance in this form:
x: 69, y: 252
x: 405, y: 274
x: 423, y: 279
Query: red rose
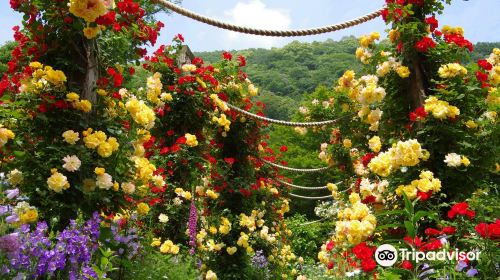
x: 483, y: 63
x: 229, y: 161
x: 433, y: 23
x: 449, y: 230
x: 368, y: 264
x: 330, y: 265
x: 431, y: 232
x: 407, y: 265
x: 424, y: 44
x: 242, y: 60
x: 460, y: 209
x: 330, y: 245
x: 482, y: 77
x: 482, y: 229
x: 413, y: 116
x: 420, y: 111
x: 362, y: 251
x: 283, y: 148
x: 423, y: 196
x: 227, y: 56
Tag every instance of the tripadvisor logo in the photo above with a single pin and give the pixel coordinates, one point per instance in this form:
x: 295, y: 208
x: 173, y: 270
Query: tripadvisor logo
x: 386, y: 255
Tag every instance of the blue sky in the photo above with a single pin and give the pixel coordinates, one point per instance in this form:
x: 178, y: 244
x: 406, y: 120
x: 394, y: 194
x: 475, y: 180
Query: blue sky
x: 478, y: 17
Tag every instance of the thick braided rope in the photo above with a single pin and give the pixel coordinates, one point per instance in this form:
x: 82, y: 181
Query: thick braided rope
x: 311, y: 188
x: 264, y: 32
x: 296, y: 169
x: 311, y: 197
x: 286, y: 123
x: 301, y: 187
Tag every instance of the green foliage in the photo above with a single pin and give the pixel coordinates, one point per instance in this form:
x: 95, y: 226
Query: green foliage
x: 5, y: 55
x: 154, y: 265
x: 307, y: 237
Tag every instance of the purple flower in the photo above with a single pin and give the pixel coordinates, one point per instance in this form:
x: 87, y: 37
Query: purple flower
x: 192, y: 226
x: 4, y: 209
x: 472, y: 272
x: 12, y: 193
x: 9, y: 243
x: 460, y: 266
x: 259, y: 260
x: 12, y: 219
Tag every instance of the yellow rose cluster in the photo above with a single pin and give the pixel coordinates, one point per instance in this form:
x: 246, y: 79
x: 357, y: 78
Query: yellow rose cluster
x: 448, y: 30
x: 494, y: 73
x: 440, y: 109
x: 182, y: 193
x: 362, y: 53
x: 403, y: 153
x: 225, y: 226
x: 98, y: 140
x: 43, y: 76
x: 366, y: 92
x: 5, y: 135
x: 89, y: 10
x: 57, y: 181
x: 82, y: 105
x: 426, y: 183
x: 219, y: 103
x: 451, y: 70
x: 392, y: 65
x: 222, y: 121
x: 168, y: 247
x: 144, y: 169
x: 356, y: 223
x: 141, y: 113
x: 154, y: 87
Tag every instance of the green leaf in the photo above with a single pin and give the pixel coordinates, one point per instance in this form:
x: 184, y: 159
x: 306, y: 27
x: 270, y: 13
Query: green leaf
x: 410, y: 228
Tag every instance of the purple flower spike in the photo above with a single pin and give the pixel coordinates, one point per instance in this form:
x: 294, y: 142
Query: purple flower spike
x: 193, y: 222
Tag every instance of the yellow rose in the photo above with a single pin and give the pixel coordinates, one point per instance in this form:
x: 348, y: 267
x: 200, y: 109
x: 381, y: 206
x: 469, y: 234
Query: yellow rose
x: 191, y: 140
x: 57, y: 182
x: 142, y: 208
x: 71, y: 137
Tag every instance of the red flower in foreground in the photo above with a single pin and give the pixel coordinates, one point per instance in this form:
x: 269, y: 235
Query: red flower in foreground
x: 330, y: 245
x: 229, y: 160
x: 406, y: 264
x: 481, y: 76
x: 368, y: 265
x: 483, y: 63
x: 425, y: 44
x: 283, y: 148
x: 227, y: 56
x: 242, y: 60
x: 461, y: 209
x: 433, y: 23
x: 362, y: 251
x: 491, y: 231
x: 432, y: 232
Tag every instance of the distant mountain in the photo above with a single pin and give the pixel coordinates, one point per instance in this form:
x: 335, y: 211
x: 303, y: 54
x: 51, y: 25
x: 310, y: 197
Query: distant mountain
x: 285, y: 74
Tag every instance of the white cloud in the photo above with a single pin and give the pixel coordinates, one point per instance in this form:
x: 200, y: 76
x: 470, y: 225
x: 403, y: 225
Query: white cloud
x: 255, y: 14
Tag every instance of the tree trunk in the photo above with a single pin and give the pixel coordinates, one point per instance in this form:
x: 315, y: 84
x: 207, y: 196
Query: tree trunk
x: 416, y: 91
x: 91, y: 72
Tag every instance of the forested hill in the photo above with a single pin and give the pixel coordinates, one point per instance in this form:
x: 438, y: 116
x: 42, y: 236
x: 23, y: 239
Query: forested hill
x: 285, y: 74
